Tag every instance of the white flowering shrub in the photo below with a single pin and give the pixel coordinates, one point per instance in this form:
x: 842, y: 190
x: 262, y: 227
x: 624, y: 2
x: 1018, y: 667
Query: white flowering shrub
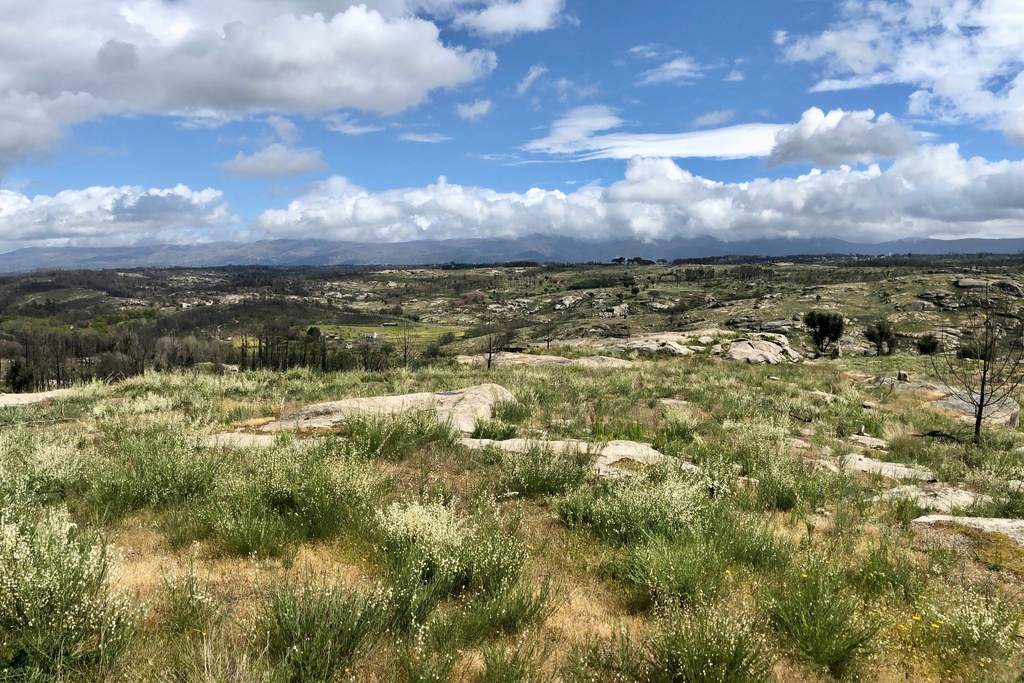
x: 57, y: 611
x: 971, y: 625
x: 439, y: 547
x: 41, y: 466
x: 636, y: 508
x: 709, y: 645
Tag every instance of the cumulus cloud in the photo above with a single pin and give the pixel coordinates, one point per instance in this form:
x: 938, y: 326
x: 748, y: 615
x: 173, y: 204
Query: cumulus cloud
x: 679, y: 71
x: 215, y: 61
x: 510, y: 18
x: 108, y: 216
x: 964, y: 58
x: 475, y: 111
x: 276, y: 161
x: 933, y: 192
x: 581, y: 134
x: 1013, y: 126
x: 841, y: 137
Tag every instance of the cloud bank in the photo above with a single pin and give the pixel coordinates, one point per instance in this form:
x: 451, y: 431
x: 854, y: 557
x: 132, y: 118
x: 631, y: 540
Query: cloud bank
x: 931, y: 192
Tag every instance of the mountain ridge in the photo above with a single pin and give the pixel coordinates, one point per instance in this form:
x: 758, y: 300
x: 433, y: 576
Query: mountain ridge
x: 285, y: 252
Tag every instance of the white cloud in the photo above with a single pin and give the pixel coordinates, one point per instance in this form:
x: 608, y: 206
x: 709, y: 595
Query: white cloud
x: 276, y: 161
x: 679, y: 71
x: 339, y: 123
x: 474, y: 112
x: 714, y: 118
x: 735, y: 76
x: 841, y: 137
x: 933, y: 192
x: 429, y: 138
x: 66, y: 62
x: 530, y: 78
x: 113, y: 216
x: 580, y: 133
x: 510, y: 18
x: 287, y: 131
x: 964, y: 58
x: 1013, y: 126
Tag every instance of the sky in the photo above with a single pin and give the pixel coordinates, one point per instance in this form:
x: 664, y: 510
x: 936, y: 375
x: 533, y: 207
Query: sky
x: 128, y: 122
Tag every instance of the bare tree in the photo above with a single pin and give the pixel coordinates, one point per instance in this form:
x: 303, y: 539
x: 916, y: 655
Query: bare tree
x: 985, y: 367
x: 405, y: 345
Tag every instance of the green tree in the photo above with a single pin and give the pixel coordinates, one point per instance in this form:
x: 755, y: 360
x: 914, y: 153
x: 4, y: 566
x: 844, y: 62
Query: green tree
x: 826, y: 328
x: 882, y: 333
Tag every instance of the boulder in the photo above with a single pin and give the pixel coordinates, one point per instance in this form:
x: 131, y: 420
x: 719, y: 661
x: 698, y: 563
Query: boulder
x: 761, y: 352
x: 902, y: 376
x: 1012, y: 528
x: 609, y: 457
x: 461, y: 408
x: 937, y: 497
x: 855, y: 462
x: 7, y: 400
x: 657, y: 347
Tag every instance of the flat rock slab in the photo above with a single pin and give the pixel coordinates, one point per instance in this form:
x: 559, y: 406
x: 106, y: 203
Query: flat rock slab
x: 462, y: 408
x: 506, y: 358
x: 608, y: 456
x: 868, y: 442
x: 1005, y: 412
x: 855, y: 462
x: 8, y: 400
x: 938, y: 497
x: 1012, y: 528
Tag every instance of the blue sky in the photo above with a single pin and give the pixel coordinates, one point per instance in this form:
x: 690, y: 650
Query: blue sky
x: 140, y: 121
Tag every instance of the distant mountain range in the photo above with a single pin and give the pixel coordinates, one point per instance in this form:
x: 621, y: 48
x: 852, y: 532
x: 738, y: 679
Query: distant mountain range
x: 532, y: 248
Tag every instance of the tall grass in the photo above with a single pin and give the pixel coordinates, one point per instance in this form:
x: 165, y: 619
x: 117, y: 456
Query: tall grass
x: 708, y: 645
x: 542, y: 471
x: 396, y: 438
x: 819, y: 612
x: 314, y: 631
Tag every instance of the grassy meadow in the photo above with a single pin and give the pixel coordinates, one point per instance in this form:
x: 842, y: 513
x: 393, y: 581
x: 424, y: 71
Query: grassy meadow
x: 131, y: 549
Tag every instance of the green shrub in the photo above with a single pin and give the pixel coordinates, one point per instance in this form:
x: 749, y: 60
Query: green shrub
x: 826, y: 328
x: 746, y: 540
x: 38, y: 467
x: 187, y: 602
x: 889, y: 571
x: 57, y: 612
x: 512, y: 412
x: 670, y: 573
x: 541, y: 471
x: 969, y: 626
x: 697, y: 645
x: 161, y: 464
x: 244, y: 526
x: 636, y: 508
x: 314, y: 631
x: 928, y: 345
x: 496, y: 430
x: 456, y: 554
x: 320, y: 489
x: 523, y: 663
x: 819, y: 612
x: 395, y: 439
x: 422, y: 659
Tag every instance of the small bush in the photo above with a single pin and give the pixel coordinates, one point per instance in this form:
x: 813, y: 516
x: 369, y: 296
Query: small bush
x: 314, y: 631
x: 57, y: 612
x: 541, y: 471
x: 672, y: 573
x: 512, y: 412
x: 245, y: 527
x: 395, y: 439
x: 928, y: 345
x: 187, y: 602
x: 889, y: 571
x: 421, y: 659
x: 453, y: 553
x: 970, y: 626
x: 496, y: 430
x: 637, y: 508
x: 818, y: 611
x: 519, y: 664
x: 746, y: 540
x: 708, y: 646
